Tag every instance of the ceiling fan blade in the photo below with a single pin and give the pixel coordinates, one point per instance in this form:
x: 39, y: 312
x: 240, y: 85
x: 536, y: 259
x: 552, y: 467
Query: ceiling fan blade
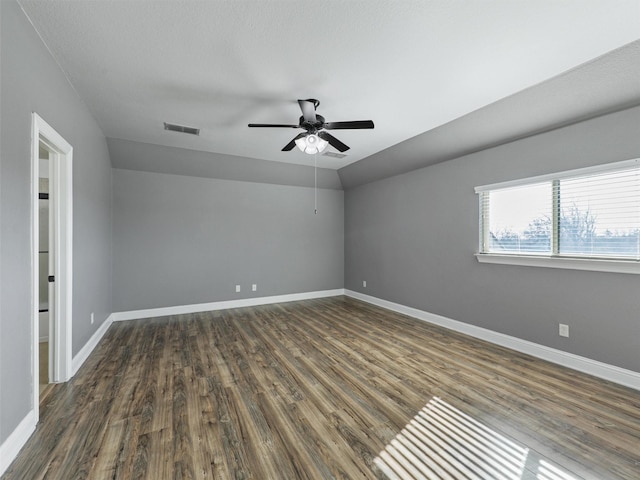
x: 356, y: 124
x: 289, y: 146
x: 278, y: 125
x: 333, y: 141
x: 308, y: 110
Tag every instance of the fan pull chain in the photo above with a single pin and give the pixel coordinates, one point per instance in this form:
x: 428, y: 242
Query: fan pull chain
x: 315, y: 183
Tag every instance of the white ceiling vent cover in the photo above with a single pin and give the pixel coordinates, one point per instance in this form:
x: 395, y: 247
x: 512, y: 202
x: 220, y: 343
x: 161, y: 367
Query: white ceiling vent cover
x: 334, y: 154
x: 181, y: 129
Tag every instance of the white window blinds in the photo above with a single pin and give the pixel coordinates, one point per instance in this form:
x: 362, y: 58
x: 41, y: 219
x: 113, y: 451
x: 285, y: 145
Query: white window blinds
x: 586, y: 213
x: 600, y: 214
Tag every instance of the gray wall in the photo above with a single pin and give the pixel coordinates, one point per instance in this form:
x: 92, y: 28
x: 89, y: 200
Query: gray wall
x: 182, y: 240
x: 412, y: 238
x: 31, y: 81
x: 145, y: 157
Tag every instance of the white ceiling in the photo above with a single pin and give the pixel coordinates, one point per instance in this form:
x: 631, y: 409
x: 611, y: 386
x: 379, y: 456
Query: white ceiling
x: 410, y: 66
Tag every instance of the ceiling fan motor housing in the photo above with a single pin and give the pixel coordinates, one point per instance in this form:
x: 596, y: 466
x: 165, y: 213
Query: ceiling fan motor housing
x: 312, y: 127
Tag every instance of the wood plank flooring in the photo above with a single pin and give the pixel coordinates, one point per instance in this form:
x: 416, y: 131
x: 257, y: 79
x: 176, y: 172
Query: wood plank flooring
x: 43, y: 359
x: 322, y: 389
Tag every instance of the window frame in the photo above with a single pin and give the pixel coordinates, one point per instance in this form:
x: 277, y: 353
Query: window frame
x: 555, y: 259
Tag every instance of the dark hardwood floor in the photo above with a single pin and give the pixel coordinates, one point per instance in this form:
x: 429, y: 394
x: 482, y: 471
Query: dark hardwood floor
x: 319, y: 389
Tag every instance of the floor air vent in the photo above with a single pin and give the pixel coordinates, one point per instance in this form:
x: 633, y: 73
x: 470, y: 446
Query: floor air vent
x: 181, y: 128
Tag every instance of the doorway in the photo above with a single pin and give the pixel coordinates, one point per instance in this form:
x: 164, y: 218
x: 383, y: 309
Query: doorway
x: 46, y: 262
x: 51, y: 166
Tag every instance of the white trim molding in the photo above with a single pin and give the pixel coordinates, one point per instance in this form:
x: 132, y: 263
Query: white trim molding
x: 569, y: 263
x: 91, y: 344
x: 223, y: 305
x: 61, y: 243
x: 628, y: 378
x: 13, y: 444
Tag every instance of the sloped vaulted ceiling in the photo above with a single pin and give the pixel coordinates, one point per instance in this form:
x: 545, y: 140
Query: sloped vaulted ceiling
x: 412, y: 66
x: 604, y: 85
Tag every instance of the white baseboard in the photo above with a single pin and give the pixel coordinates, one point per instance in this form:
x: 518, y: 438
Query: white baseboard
x: 13, y: 444
x: 208, y: 307
x: 84, y: 353
x: 628, y: 378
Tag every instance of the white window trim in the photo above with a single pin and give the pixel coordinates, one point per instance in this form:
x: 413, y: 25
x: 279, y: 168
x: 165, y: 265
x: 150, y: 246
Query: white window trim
x: 557, y: 261
x: 569, y: 263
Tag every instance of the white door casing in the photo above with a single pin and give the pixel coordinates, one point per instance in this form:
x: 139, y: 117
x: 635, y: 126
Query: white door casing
x: 61, y: 237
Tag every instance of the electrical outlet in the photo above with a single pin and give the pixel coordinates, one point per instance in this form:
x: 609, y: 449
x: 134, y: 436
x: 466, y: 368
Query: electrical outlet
x: 254, y: 287
x: 364, y: 284
x: 237, y: 288
x: 563, y: 330
x: 92, y: 318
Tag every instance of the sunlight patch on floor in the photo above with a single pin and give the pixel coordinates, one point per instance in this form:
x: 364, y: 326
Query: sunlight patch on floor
x: 445, y: 443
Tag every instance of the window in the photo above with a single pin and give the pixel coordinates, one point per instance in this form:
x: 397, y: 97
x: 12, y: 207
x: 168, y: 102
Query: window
x: 586, y: 219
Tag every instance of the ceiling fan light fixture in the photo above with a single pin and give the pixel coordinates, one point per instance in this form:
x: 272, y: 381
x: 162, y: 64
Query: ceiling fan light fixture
x: 311, y: 144
x: 316, y: 138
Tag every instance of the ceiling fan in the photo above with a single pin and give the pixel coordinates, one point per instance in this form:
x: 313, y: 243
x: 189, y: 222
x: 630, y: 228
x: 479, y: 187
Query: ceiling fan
x: 316, y: 138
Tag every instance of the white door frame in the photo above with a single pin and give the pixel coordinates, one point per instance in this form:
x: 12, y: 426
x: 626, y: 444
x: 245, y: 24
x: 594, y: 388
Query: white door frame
x: 61, y: 203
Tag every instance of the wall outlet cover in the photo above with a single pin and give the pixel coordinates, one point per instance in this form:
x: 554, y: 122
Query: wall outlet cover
x: 563, y: 330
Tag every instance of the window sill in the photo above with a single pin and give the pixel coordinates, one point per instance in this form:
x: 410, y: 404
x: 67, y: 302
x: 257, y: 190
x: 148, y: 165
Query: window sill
x: 571, y: 263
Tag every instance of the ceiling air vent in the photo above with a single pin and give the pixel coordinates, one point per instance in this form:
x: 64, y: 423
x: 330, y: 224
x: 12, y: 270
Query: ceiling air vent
x: 181, y: 129
x: 334, y: 155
